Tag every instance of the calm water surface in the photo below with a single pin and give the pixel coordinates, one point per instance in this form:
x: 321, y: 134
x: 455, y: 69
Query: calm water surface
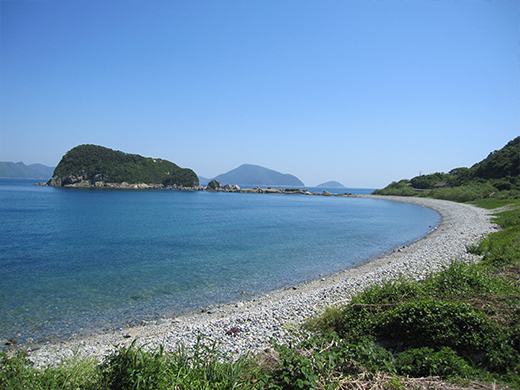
x: 75, y: 261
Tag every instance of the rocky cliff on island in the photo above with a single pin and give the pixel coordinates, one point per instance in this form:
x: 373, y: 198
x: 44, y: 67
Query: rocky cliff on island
x: 97, y: 166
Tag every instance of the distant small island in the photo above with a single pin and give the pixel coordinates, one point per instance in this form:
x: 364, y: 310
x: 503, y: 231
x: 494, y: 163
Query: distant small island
x: 331, y: 184
x: 97, y: 166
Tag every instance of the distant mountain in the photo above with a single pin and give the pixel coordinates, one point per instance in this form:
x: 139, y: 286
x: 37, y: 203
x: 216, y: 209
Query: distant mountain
x: 97, y: 165
x: 248, y: 174
x: 21, y: 171
x: 332, y: 184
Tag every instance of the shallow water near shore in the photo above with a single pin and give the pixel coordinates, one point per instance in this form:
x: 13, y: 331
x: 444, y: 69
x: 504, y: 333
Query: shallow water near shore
x: 80, y: 261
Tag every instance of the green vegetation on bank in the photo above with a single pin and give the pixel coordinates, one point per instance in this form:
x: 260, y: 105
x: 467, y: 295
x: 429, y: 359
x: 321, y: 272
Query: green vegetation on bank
x: 460, y: 325
x: 97, y: 163
x: 498, y: 175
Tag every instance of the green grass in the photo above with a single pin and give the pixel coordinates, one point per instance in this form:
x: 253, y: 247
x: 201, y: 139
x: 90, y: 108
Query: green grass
x: 18, y: 372
x: 128, y: 368
x: 461, y: 325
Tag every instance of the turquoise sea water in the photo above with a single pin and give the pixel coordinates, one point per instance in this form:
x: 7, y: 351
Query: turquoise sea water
x: 73, y: 261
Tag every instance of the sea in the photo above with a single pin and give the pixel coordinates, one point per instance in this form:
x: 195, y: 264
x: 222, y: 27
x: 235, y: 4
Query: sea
x: 78, y: 261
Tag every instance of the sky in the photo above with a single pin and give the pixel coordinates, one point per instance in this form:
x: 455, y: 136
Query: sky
x: 358, y: 91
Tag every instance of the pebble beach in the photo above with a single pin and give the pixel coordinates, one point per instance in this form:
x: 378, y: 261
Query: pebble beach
x: 248, y: 326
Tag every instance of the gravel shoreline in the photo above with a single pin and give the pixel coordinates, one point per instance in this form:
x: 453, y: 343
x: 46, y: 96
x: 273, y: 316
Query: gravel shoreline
x: 248, y: 326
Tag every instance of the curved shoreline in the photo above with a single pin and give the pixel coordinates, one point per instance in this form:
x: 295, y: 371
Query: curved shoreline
x: 271, y: 316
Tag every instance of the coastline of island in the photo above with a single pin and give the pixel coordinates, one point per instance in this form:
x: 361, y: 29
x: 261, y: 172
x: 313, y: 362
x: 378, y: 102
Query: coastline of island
x: 274, y: 315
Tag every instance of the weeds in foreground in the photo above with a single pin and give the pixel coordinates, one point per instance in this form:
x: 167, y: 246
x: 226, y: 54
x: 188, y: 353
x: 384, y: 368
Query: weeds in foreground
x: 204, y: 367
x: 18, y: 372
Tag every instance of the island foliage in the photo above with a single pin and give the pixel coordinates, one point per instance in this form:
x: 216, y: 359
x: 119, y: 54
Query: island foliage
x: 498, y: 176
x: 93, y: 163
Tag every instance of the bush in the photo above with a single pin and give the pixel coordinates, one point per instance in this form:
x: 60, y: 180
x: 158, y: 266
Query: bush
x: 371, y: 357
x: 295, y: 372
x: 425, y: 361
x: 430, y: 323
x: 392, y: 291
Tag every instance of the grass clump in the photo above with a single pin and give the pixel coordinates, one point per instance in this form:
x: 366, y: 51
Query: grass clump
x: 130, y: 368
x: 204, y: 367
x: 425, y: 361
x: 18, y: 372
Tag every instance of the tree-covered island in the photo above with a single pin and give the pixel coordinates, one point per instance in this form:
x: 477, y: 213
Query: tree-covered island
x: 92, y: 165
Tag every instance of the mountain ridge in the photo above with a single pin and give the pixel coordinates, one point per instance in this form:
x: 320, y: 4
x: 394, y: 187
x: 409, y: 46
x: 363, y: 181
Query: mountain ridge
x: 19, y: 170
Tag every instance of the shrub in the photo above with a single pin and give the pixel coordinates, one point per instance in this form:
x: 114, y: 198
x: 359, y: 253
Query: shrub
x: 296, y: 371
x: 328, y: 322
x: 431, y: 323
x: 426, y: 361
x: 391, y: 291
x: 371, y: 357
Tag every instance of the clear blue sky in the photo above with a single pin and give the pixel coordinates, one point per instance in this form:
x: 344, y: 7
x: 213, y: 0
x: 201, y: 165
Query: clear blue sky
x: 362, y: 92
